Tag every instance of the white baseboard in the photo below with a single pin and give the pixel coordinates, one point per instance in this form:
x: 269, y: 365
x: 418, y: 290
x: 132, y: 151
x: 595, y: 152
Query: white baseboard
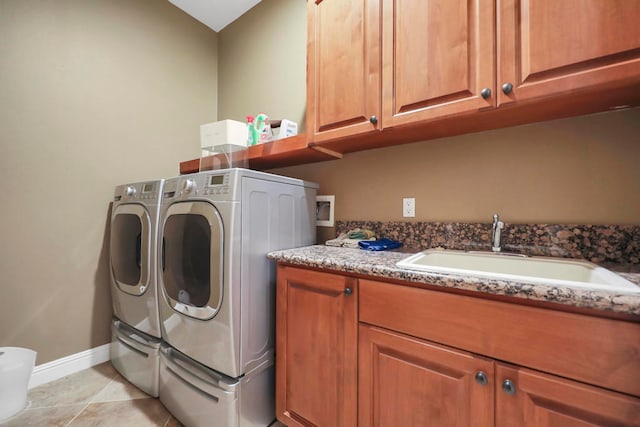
x: 68, y: 365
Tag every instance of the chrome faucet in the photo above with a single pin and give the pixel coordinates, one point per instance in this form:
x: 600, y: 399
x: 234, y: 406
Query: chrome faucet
x: 495, y: 234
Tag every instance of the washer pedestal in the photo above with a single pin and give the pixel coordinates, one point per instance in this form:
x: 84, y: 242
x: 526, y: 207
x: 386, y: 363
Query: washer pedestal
x: 198, y: 396
x: 136, y: 356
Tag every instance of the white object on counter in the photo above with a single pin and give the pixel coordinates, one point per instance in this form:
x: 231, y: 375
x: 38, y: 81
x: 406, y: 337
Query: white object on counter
x: 224, y: 132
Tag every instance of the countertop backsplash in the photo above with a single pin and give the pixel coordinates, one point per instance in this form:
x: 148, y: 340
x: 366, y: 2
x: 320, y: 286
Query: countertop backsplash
x: 601, y: 244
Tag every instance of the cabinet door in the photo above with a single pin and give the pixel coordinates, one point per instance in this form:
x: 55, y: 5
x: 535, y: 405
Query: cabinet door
x: 541, y: 400
x: 343, y: 67
x: 403, y: 381
x: 437, y: 56
x: 547, y: 47
x: 316, y: 348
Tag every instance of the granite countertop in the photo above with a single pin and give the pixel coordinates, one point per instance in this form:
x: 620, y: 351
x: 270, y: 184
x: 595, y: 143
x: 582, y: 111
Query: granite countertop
x: 382, y: 265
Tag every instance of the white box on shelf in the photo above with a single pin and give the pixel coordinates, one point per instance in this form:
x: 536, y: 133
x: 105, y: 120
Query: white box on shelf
x: 223, y: 132
x: 287, y: 128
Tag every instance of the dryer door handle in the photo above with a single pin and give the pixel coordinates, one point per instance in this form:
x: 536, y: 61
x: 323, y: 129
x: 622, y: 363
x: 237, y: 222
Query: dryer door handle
x: 163, y: 257
x: 139, y: 250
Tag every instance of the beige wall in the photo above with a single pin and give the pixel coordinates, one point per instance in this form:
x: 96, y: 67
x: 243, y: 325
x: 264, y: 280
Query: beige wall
x: 578, y: 170
x: 92, y: 94
x: 262, y: 60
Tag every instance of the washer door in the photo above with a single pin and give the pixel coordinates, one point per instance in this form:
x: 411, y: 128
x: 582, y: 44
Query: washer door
x: 192, y: 250
x: 129, y: 248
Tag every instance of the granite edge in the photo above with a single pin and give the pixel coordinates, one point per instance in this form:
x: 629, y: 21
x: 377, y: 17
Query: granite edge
x: 382, y: 265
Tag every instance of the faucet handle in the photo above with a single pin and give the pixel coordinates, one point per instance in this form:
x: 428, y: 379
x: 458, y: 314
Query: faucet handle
x: 496, y: 222
x: 495, y: 234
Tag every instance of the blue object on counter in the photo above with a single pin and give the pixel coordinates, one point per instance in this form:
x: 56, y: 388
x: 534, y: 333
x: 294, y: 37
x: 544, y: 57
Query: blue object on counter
x: 379, y: 245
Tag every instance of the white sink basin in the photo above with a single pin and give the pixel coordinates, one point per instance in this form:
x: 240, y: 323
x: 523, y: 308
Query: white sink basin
x: 542, y: 270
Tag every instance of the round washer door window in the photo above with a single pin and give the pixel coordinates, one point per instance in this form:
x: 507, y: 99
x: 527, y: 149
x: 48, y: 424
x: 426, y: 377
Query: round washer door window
x: 192, y: 249
x: 129, y: 248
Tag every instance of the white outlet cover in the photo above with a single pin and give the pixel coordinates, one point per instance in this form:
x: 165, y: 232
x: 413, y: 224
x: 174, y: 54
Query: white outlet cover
x: 409, y: 207
x: 324, y: 210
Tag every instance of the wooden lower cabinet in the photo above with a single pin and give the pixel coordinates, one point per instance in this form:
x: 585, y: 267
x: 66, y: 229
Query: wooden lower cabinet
x: 316, y: 348
x: 535, y: 399
x: 404, y: 381
x: 357, y: 352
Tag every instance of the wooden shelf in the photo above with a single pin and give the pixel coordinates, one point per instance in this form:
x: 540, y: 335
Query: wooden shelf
x: 283, y: 152
x: 297, y: 150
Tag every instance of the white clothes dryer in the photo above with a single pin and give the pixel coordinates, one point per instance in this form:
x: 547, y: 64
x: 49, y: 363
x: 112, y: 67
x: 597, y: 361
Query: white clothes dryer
x: 134, y: 290
x: 218, y: 287
x: 217, y: 303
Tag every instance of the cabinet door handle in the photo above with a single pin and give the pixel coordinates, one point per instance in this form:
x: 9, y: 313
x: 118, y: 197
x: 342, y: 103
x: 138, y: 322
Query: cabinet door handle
x: 348, y: 291
x: 508, y: 387
x: 373, y: 119
x: 507, y: 88
x: 481, y: 378
x: 485, y: 93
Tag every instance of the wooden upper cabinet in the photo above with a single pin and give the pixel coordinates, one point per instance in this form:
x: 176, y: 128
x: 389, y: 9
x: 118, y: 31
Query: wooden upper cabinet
x: 343, y: 67
x: 547, y: 47
x: 437, y: 56
x: 316, y: 348
x: 417, y: 65
x: 408, y: 382
x: 536, y: 399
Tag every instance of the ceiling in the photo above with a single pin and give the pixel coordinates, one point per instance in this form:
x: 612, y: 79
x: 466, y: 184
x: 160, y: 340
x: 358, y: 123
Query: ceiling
x: 216, y: 14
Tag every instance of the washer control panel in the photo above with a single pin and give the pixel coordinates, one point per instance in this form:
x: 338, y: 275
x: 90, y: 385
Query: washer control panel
x: 217, y: 184
x: 138, y: 191
x: 149, y: 191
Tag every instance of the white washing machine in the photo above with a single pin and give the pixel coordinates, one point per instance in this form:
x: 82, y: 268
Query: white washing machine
x: 133, y: 255
x: 217, y: 304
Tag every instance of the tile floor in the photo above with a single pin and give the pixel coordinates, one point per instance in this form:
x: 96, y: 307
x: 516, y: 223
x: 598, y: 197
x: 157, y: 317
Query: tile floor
x: 95, y: 397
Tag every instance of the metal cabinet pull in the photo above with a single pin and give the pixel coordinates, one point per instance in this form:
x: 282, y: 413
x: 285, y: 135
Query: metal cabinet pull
x: 507, y: 88
x: 348, y: 291
x: 485, y: 93
x: 481, y: 378
x: 373, y: 119
x: 508, y: 387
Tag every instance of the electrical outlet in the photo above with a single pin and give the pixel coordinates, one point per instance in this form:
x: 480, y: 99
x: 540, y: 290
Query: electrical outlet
x: 409, y: 207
